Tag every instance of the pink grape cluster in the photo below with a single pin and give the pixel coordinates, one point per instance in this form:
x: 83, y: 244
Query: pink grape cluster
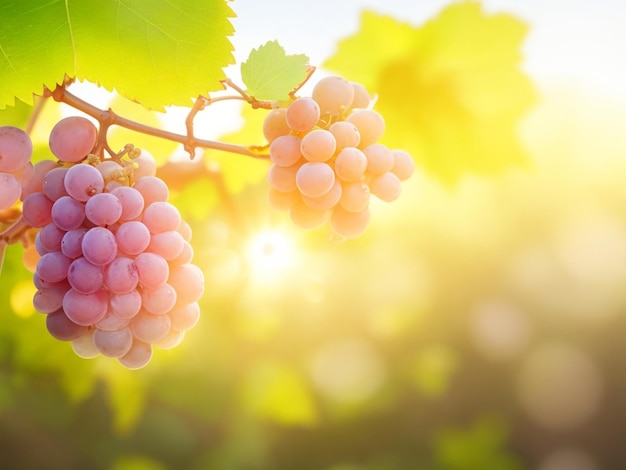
x: 327, y: 161
x: 115, y: 274
x: 16, y: 170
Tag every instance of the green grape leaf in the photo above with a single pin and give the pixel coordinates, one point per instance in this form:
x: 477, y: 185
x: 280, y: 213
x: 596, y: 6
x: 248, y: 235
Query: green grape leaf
x: 271, y: 74
x: 155, y: 53
x: 451, y: 91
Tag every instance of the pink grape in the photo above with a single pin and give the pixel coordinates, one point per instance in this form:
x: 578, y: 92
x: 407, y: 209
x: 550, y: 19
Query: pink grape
x: 103, y: 209
x: 188, y: 282
x: 275, y: 124
x: 111, y: 322
x: 62, y: 328
x: 315, y: 179
x: 386, y: 187
x: 84, y: 346
x: 319, y: 145
x: 72, y: 138
x: 379, y: 159
x: 161, y: 217
x: 99, y: 246
x: 349, y: 224
x: 350, y: 164
x: 132, y: 202
x: 49, y: 299
x: 302, y: 114
x: 138, y: 356
x: 113, y: 343
x: 68, y: 213
x: 36, y: 210
x: 171, y: 340
x: 35, y: 184
x: 283, y: 178
x: 370, y: 124
x: 153, y: 270
x: 132, y: 237
x: 325, y: 201
x: 53, y: 183
x: 306, y: 218
x: 185, y: 317
x: 125, y: 306
x: 160, y: 300
x: 144, y: 164
x: 167, y: 244
x: 85, y: 309
x: 150, y: 328
x: 10, y: 190
x: 71, y: 244
x: 361, y: 98
x: 85, y: 277
x: 53, y: 266
x: 83, y: 181
x: 333, y: 94
x: 355, y: 197
x: 15, y: 148
x: 285, y: 150
x: 403, y: 164
x: 50, y: 237
x: 346, y: 134
x: 185, y: 256
x: 152, y: 189
x: 121, y: 276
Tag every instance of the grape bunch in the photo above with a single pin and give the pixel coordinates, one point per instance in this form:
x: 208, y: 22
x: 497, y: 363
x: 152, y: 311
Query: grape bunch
x: 327, y: 161
x: 114, y: 275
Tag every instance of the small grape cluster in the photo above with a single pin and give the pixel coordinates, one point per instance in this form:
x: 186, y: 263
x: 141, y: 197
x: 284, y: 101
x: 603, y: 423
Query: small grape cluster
x: 115, y: 275
x: 327, y: 161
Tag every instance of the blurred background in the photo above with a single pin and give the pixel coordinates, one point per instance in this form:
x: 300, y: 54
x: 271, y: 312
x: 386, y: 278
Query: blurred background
x: 477, y: 325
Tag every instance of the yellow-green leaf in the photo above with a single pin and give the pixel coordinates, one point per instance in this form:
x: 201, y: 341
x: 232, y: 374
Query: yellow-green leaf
x: 271, y: 74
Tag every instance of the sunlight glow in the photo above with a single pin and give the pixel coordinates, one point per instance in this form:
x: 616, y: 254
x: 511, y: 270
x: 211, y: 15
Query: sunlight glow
x: 270, y: 253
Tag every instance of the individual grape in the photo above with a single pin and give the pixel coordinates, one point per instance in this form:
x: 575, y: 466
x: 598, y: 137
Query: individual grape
x: 350, y: 164
x: 121, y: 276
x: 306, y: 218
x: 83, y: 181
x: 370, y: 124
x: 85, y: 309
x: 50, y: 237
x: 188, y: 282
x: 318, y: 145
x: 302, y: 114
x: 283, y: 178
x: 333, y: 95
x: 53, y: 183
x: 53, y: 266
x: 84, y: 346
x: 185, y: 317
x: 103, y: 209
x: 62, y: 328
x: 346, y: 134
x: 49, y: 299
x: 158, y: 301
x: 315, y: 179
x: 361, y: 98
x: 355, y: 197
x: 386, y: 187
x: 275, y: 124
x: 168, y: 245
x: 132, y: 202
x: 326, y: 201
x: 153, y: 270
x: 111, y: 322
x: 132, y: 237
x: 35, y: 184
x: 185, y: 230
x: 152, y: 189
x: 138, y: 355
x: 24, y: 174
x: 36, y: 210
x: 71, y: 244
x: 72, y: 138
x: 403, y: 164
x: 10, y: 190
x: 171, y: 340
x: 68, y: 213
x: 16, y: 149
x: 113, y: 343
x: 285, y: 150
x: 379, y: 159
x: 150, y: 328
x: 282, y: 201
x: 161, y: 217
x: 185, y: 256
x: 41, y: 249
x: 144, y: 165
x: 125, y: 306
x: 99, y: 246
x: 85, y: 277
x: 349, y: 224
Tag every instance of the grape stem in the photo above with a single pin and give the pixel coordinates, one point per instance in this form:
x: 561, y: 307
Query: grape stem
x: 108, y: 118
